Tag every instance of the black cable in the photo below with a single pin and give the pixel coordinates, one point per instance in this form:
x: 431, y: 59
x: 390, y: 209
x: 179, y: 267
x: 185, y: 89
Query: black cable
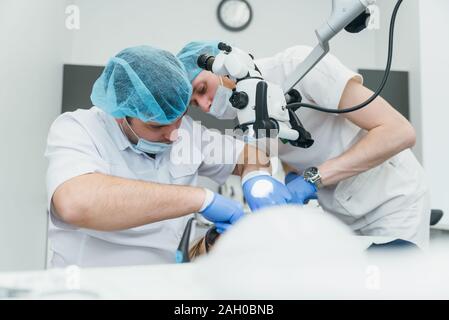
x: 379, y: 90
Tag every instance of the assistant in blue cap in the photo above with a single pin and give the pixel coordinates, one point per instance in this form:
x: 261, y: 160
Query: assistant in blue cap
x: 190, y: 53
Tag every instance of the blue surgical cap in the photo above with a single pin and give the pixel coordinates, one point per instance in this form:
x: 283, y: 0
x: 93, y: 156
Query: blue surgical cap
x: 143, y: 82
x: 190, y: 53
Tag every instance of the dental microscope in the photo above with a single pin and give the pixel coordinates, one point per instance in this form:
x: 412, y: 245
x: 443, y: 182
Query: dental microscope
x: 268, y: 110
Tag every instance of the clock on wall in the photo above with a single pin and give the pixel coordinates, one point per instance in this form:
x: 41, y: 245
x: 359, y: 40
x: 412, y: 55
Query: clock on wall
x: 234, y: 15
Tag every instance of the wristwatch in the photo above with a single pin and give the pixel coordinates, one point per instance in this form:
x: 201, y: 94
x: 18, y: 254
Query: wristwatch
x: 312, y: 175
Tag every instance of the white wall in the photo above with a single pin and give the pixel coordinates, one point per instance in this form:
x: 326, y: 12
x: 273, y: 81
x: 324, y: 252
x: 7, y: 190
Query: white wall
x: 107, y: 26
x: 30, y: 98
x: 434, y: 61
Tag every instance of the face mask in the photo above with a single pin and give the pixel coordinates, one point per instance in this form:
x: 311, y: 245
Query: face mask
x: 148, y: 146
x: 221, y: 107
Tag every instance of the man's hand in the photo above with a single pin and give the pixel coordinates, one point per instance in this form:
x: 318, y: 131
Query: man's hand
x: 302, y: 191
x: 223, y: 212
x: 261, y: 191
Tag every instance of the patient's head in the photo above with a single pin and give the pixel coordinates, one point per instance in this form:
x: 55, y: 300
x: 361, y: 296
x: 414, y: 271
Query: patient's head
x: 293, y: 230
x: 269, y: 249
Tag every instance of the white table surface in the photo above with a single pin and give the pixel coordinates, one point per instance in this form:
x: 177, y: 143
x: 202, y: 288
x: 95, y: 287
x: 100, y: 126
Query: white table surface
x: 176, y: 281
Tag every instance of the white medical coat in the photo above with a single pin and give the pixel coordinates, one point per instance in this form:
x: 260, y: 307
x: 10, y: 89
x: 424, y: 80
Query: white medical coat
x: 388, y: 200
x: 87, y: 141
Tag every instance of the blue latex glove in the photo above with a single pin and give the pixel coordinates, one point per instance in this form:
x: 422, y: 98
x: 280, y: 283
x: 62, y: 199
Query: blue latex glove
x: 301, y: 190
x: 262, y: 190
x: 223, y: 212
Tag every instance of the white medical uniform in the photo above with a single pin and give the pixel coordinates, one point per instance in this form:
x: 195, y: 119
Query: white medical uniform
x: 391, y: 199
x: 88, y: 141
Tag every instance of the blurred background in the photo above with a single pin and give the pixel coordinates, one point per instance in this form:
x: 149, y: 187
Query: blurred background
x: 51, y: 52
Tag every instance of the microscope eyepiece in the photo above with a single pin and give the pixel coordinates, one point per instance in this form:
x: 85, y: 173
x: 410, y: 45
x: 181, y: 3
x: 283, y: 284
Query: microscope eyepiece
x: 224, y: 47
x: 205, y: 62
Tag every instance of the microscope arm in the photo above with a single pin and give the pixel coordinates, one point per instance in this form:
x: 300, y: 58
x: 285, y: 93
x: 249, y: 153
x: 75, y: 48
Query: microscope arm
x: 343, y: 13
